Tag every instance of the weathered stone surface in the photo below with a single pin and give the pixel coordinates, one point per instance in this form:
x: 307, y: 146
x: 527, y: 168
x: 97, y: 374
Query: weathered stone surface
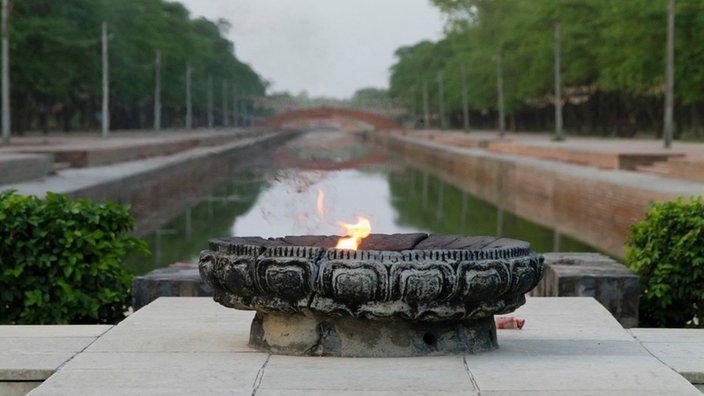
x: 447, y: 283
x: 592, y: 275
x: 312, y: 335
x: 20, y: 167
x: 181, y: 279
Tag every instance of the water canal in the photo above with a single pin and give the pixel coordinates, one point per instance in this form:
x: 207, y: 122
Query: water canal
x: 323, y: 177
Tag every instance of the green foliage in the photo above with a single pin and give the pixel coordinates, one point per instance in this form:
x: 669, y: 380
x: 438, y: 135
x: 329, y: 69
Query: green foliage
x: 61, y: 260
x: 666, y: 250
x: 614, y: 48
x: 56, y: 56
x: 369, y: 96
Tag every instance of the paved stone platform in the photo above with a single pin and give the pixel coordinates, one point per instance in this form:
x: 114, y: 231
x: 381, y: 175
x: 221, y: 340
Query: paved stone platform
x: 30, y: 354
x: 18, y: 167
x: 195, y: 346
x: 684, y: 161
x: 80, y: 149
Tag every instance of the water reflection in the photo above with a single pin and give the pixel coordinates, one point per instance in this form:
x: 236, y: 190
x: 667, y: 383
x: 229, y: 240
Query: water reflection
x: 423, y: 201
x: 288, y: 206
x: 182, y: 238
x: 280, y: 199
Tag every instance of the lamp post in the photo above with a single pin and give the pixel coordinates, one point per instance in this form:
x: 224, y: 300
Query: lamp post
x: 441, y: 101
x: 500, y: 93
x: 426, y: 111
x: 210, y: 101
x: 225, y: 118
x: 669, y: 74
x: 189, y: 107
x: 5, y: 73
x: 106, y: 83
x: 558, y: 92
x: 465, y: 100
x: 157, y: 92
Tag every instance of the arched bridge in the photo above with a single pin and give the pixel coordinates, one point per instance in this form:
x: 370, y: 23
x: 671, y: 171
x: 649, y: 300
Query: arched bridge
x: 308, y: 117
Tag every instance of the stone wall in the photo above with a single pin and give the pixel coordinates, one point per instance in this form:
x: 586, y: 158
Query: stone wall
x: 592, y: 275
x: 595, y: 211
x: 176, y: 280
x: 21, y: 167
x: 163, y: 187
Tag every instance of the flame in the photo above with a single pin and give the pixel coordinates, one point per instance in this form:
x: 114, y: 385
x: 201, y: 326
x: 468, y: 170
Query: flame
x: 322, y: 210
x: 356, y: 233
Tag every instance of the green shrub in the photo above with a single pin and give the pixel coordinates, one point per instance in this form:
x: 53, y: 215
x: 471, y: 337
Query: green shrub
x: 667, y: 250
x: 60, y: 260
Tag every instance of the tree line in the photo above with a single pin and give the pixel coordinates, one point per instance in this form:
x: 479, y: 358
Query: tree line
x: 612, y: 67
x: 56, y: 68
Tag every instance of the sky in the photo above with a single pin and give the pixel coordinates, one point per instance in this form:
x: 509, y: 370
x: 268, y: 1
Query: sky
x: 327, y: 48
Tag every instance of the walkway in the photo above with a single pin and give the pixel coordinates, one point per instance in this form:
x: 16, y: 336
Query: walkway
x: 192, y: 345
x: 187, y: 346
x: 685, y: 161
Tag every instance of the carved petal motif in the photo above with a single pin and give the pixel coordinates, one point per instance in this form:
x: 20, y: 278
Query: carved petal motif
x: 426, y: 285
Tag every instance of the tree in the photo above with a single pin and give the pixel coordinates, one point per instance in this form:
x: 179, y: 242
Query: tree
x: 612, y: 69
x: 56, y: 60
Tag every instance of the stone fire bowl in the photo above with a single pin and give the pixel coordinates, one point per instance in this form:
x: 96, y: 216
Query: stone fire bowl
x: 398, y: 295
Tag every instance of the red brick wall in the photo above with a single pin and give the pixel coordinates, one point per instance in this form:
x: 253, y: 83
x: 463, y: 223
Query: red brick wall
x: 596, y: 212
x: 377, y: 122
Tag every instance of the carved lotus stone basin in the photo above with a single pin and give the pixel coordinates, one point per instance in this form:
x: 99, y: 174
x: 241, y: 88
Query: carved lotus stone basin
x: 398, y: 295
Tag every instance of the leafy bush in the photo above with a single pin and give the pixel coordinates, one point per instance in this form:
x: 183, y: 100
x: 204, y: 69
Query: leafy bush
x: 60, y: 260
x: 667, y: 250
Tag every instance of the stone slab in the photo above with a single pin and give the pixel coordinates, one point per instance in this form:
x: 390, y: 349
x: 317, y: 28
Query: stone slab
x: 33, y: 353
x: 195, y: 346
x: 187, y: 325
x: 176, y: 280
x: 19, y: 388
x: 592, y: 275
x: 155, y: 373
x: 46, y: 331
x: 440, y: 374
x: 681, y: 349
x: 15, y: 168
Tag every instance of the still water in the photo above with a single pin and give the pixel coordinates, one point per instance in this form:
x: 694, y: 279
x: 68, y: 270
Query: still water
x: 326, y: 177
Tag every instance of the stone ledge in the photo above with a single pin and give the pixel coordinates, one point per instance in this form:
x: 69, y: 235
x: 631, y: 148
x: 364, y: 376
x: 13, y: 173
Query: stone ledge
x: 176, y: 280
x: 592, y: 275
x: 16, y: 168
x: 29, y: 354
x: 566, y: 275
x: 193, y: 346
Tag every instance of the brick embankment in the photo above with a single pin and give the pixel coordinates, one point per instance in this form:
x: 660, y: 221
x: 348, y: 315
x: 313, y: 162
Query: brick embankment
x: 591, y: 204
x: 160, y: 187
x: 19, y: 167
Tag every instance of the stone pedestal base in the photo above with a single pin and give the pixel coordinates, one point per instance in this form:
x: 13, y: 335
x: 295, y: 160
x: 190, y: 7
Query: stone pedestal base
x: 299, y: 334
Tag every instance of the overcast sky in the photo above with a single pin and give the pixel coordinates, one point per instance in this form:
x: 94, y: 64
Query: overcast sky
x: 326, y: 47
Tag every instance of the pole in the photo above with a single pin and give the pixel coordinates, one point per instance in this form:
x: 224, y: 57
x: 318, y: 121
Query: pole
x: 558, y: 90
x: 426, y: 111
x: 225, y: 119
x: 189, y: 108
x: 157, y: 92
x: 243, y: 109
x: 441, y: 101
x: 234, y: 107
x: 5, y: 73
x: 210, y: 101
x: 500, y: 88
x: 106, y: 84
x: 414, y: 109
x: 465, y: 100
x: 669, y: 74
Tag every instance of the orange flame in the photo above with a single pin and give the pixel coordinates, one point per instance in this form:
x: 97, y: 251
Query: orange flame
x: 322, y: 210
x: 356, y: 233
